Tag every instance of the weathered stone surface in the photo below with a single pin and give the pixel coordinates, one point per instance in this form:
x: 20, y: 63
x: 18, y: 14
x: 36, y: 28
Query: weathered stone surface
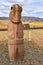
x: 15, y: 33
x: 15, y: 13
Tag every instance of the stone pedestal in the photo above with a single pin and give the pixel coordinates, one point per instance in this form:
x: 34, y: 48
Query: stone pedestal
x: 15, y: 33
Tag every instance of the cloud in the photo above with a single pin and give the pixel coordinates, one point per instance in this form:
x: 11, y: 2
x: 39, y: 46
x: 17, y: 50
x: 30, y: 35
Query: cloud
x: 11, y: 1
x: 2, y: 7
x: 30, y: 7
x: 24, y: 13
x: 19, y: 0
x: 6, y: 3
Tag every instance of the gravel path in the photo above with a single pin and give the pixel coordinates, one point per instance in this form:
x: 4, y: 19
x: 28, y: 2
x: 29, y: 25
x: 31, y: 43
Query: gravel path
x: 33, y: 55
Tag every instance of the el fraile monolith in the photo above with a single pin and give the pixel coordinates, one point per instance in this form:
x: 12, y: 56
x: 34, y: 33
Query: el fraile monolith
x: 15, y: 33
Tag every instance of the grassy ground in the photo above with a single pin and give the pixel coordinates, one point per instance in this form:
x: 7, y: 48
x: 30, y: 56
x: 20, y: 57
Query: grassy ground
x: 33, y: 54
x: 4, y: 23
x: 34, y: 23
x: 37, y: 36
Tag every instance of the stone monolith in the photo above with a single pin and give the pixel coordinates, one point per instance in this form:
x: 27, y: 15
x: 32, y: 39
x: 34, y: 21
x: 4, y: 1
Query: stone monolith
x: 15, y: 33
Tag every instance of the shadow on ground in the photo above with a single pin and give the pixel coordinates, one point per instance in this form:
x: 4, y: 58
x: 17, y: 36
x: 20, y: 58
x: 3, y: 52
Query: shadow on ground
x: 33, y: 55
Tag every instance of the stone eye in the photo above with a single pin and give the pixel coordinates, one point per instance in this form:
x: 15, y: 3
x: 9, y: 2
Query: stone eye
x: 11, y: 8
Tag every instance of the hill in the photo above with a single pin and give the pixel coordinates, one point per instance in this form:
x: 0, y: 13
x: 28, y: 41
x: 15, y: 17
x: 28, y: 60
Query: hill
x: 23, y: 18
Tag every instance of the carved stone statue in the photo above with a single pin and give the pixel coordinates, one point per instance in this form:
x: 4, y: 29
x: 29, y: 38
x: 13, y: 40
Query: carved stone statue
x: 15, y: 33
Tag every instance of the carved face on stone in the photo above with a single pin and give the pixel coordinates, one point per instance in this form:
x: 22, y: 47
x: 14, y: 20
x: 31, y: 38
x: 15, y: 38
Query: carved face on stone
x: 15, y: 14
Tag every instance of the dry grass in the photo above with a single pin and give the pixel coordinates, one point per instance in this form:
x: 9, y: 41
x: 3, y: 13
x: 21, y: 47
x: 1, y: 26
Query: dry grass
x: 36, y: 35
x: 3, y: 24
x: 33, y: 54
x: 32, y: 23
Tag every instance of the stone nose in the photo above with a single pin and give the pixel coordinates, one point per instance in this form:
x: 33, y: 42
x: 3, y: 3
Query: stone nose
x: 17, y: 33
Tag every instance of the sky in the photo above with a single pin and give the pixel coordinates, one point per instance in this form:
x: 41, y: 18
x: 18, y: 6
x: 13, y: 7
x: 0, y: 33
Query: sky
x: 30, y: 7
